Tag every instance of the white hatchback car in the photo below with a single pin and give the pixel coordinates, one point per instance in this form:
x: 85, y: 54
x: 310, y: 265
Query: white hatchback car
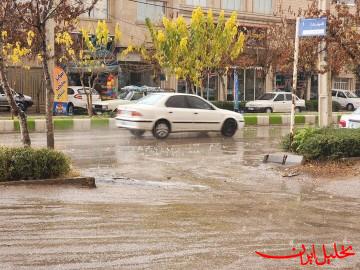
x: 164, y: 113
x: 275, y: 102
x: 346, y: 99
x: 350, y: 120
x: 77, y: 98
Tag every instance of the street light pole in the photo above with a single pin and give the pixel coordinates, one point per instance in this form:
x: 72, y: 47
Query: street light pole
x: 325, y: 97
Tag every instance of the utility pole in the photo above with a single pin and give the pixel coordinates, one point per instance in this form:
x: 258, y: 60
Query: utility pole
x: 294, y: 86
x: 325, y: 97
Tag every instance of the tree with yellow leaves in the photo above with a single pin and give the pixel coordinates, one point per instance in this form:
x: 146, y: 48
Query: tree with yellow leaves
x: 192, y: 51
x: 13, y: 49
x: 90, y: 55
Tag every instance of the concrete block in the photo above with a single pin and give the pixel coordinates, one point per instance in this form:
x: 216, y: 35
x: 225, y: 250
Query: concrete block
x: 7, y: 126
x: 112, y: 123
x: 263, y: 120
x: 310, y: 119
x: 263, y: 132
x: 82, y: 124
x: 40, y: 125
x: 284, y: 159
x: 285, y: 119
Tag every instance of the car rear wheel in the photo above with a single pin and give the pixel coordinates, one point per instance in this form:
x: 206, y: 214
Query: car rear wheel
x: 229, y: 128
x: 268, y: 110
x: 350, y: 107
x: 70, y: 110
x: 161, y: 130
x: 298, y: 110
x: 137, y: 132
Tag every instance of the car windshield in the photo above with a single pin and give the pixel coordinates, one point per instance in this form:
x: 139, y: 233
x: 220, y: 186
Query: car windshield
x: 125, y: 95
x: 267, y: 96
x: 151, y: 99
x: 351, y: 95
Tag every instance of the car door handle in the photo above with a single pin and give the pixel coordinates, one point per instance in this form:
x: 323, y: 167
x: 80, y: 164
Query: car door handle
x: 196, y: 113
x: 170, y: 112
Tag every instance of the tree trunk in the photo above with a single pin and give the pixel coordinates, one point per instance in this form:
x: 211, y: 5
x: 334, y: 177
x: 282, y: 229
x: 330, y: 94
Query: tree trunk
x: 49, y: 96
x: 24, y: 131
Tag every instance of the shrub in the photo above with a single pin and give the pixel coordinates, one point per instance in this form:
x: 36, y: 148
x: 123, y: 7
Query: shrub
x: 29, y: 163
x: 326, y: 143
x: 313, y: 105
x: 228, y: 105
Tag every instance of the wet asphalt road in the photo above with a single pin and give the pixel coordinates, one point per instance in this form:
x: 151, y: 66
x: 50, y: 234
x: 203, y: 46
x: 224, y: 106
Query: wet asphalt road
x: 190, y: 202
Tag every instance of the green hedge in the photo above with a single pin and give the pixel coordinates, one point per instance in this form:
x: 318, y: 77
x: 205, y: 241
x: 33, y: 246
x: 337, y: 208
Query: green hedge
x: 313, y: 105
x: 326, y: 143
x: 228, y: 105
x: 29, y: 163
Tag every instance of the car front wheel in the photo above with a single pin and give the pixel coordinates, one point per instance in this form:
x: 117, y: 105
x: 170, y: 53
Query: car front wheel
x: 70, y: 110
x: 161, y: 130
x: 350, y: 107
x: 229, y: 128
x: 137, y: 132
x: 268, y: 110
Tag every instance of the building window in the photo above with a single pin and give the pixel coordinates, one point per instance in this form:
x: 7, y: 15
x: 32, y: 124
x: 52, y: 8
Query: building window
x: 233, y: 4
x: 263, y: 6
x: 100, y: 10
x: 154, y: 10
x: 342, y: 83
x: 198, y: 3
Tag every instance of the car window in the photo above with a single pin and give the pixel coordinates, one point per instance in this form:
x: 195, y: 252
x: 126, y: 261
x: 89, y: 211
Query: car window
x: 1, y: 90
x: 176, y: 102
x: 152, y: 99
x: 279, y: 97
x: 137, y: 96
x: 71, y: 91
x: 341, y: 95
x: 334, y: 93
x: 266, y: 96
x: 198, y: 103
x: 288, y: 97
x: 351, y: 95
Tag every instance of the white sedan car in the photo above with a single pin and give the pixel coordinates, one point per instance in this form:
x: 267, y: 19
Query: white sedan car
x: 275, y: 102
x: 350, y: 120
x: 164, y: 113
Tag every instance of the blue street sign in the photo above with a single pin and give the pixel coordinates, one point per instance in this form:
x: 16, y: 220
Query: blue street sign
x: 236, y: 91
x: 312, y: 27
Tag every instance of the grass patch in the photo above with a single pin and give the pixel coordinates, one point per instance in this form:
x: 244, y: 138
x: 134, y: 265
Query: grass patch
x: 299, y: 119
x: 250, y: 120
x: 30, y: 122
x: 99, y: 122
x: 62, y: 124
x: 275, y: 120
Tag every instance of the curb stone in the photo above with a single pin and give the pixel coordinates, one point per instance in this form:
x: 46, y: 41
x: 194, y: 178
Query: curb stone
x: 76, y: 181
x: 39, y: 125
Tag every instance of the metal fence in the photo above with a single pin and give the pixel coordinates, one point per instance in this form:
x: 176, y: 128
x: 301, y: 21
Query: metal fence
x: 29, y: 82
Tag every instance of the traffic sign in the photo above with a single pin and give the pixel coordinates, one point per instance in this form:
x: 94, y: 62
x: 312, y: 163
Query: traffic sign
x: 313, y: 27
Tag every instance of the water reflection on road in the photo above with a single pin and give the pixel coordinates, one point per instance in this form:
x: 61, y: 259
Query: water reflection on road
x: 192, y: 201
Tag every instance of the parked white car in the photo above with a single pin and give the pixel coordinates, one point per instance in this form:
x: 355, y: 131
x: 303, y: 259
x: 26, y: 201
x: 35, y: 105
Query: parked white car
x: 346, y: 99
x: 164, y: 113
x: 77, y: 98
x: 350, y: 120
x: 275, y: 102
x: 112, y: 104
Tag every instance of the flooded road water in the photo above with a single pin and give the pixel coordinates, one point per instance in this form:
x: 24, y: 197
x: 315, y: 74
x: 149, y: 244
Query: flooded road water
x: 189, y: 202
